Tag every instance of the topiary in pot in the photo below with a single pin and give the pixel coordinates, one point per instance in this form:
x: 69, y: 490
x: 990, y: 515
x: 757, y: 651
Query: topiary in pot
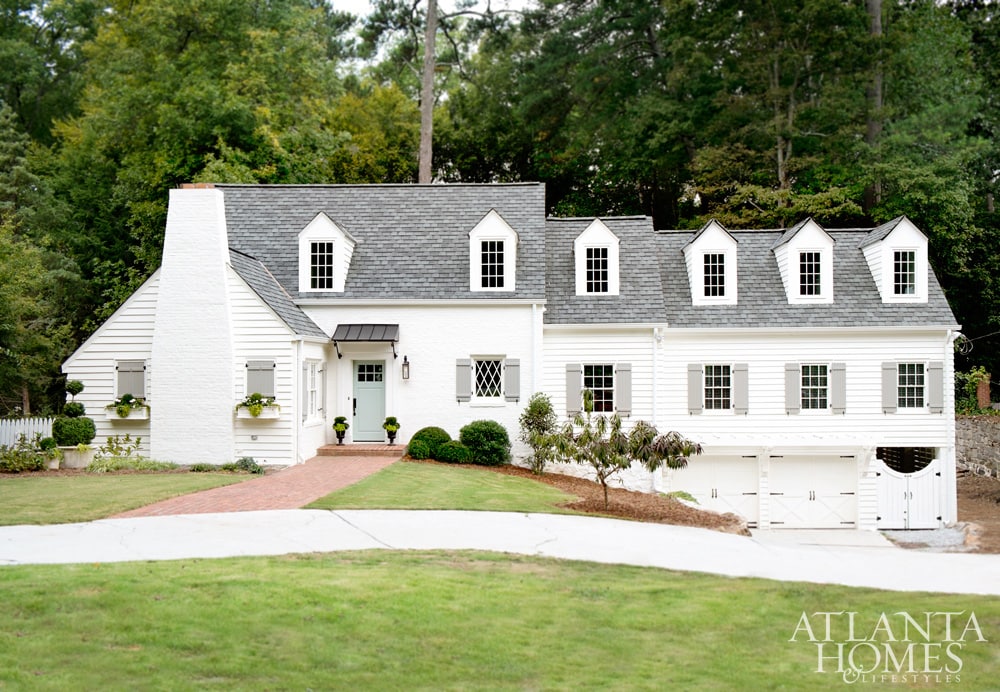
x: 70, y: 432
x: 391, y: 426
x: 340, y: 426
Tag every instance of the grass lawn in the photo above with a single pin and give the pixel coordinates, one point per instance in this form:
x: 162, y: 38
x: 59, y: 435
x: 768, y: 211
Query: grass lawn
x: 430, y: 486
x: 42, y: 499
x: 389, y: 620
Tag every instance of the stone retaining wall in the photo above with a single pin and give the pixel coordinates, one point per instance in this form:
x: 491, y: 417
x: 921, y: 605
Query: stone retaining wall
x: 977, y: 440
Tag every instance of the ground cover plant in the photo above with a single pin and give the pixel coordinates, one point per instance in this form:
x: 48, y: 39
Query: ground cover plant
x: 431, y: 620
x: 62, y: 498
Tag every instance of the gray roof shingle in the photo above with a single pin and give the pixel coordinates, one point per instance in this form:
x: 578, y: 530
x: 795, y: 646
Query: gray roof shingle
x: 266, y: 286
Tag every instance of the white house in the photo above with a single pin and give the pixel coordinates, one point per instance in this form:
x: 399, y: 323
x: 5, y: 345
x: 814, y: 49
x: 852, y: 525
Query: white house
x: 810, y: 363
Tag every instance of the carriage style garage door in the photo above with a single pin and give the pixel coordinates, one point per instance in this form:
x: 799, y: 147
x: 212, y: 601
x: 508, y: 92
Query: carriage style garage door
x: 722, y: 484
x: 909, y: 488
x: 814, y: 492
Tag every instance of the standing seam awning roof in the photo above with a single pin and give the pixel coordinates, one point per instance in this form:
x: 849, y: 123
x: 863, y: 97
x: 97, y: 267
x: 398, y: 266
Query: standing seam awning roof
x: 366, y: 332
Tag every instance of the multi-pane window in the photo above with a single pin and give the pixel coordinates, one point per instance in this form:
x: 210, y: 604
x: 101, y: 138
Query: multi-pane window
x: 718, y: 387
x: 488, y: 377
x: 491, y: 258
x: 600, y: 379
x: 904, y: 272
x: 597, y: 270
x: 370, y: 372
x: 715, y: 274
x: 815, y: 381
x: 809, y: 274
x: 910, y: 385
x: 312, y: 387
x: 321, y: 264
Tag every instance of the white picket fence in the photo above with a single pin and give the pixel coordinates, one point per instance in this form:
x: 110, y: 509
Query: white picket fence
x: 12, y: 428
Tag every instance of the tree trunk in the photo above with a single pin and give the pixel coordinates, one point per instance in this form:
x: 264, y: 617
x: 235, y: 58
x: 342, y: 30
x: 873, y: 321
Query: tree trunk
x: 427, y: 96
x: 25, y: 400
x: 874, y: 95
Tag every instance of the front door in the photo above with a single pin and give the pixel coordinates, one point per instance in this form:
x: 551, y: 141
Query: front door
x: 369, y: 400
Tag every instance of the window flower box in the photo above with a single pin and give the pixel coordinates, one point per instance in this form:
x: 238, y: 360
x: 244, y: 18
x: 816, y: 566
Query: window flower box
x: 127, y: 407
x: 266, y: 413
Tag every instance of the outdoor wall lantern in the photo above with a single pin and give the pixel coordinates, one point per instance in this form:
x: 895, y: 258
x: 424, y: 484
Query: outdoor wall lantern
x: 406, y: 368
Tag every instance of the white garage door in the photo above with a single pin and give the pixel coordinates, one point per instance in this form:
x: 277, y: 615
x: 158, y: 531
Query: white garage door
x: 813, y: 492
x: 722, y: 484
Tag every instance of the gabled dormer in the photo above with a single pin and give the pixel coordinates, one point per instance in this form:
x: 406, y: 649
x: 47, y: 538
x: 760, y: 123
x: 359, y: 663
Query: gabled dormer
x: 492, y: 254
x: 325, y: 251
x: 596, y: 254
x: 711, y: 265
x: 805, y: 260
x: 896, y: 253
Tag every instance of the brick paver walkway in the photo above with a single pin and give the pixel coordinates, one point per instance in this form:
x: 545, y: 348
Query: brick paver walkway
x: 290, y: 488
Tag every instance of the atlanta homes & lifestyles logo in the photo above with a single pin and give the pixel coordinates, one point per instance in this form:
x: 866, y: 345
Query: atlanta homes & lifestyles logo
x: 891, y: 648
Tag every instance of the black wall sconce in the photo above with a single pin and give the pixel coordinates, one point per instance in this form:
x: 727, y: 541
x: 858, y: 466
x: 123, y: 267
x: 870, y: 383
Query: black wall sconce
x: 406, y: 368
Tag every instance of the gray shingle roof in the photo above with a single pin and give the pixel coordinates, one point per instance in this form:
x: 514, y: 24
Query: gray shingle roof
x: 266, y: 286
x: 880, y: 232
x: 762, y: 298
x: 412, y: 240
x: 640, y: 298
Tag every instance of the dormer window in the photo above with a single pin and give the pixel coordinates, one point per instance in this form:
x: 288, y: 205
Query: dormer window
x: 597, y: 270
x: 711, y: 263
x: 492, y: 254
x: 595, y: 253
x: 325, y: 252
x: 804, y: 254
x: 904, y: 272
x: 896, y: 253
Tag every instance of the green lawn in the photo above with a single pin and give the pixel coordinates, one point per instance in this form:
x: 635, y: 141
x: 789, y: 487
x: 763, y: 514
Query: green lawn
x: 37, y: 498
x: 405, y: 485
x: 403, y: 621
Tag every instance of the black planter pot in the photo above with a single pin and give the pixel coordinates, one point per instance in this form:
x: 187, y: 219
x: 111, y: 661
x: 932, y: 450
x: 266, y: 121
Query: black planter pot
x: 340, y: 436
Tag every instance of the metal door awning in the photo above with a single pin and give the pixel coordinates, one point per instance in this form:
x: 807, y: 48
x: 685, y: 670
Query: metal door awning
x: 379, y: 333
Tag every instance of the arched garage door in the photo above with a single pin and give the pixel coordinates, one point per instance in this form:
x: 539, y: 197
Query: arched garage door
x: 813, y: 492
x: 909, y: 488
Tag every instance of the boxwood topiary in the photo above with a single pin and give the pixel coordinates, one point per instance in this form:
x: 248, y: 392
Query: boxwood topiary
x: 454, y: 452
x: 488, y: 441
x: 418, y: 449
x: 431, y: 436
x: 73, y: 409
x: 70, y: 432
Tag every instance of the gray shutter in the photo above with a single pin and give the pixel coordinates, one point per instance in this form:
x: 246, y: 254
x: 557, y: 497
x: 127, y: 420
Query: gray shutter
x: 574, y: 387
x: 741, y: 389
x: 305, y: 391
x: 512, y: 379
x: 260, y: 377
x: 793, y: 391
x: 623, y: 389
x: 131, y: 378
x: 935, y: 386
x: 321, y: 374
x: 695, y: 390
x: 838, y: 387
x: 463, y: 379
x: 890, y: 393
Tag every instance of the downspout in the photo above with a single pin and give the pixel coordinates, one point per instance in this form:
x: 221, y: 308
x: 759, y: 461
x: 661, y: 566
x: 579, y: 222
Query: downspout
x: 949, y: 395
x: 657, y: 337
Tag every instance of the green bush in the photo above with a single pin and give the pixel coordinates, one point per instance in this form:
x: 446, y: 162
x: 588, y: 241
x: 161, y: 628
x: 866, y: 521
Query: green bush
x: 244, y: 465
x: 432, y: 437
x: 23, y: 456
x: 111, y: 464
x: 73, y: 409
x: 488, y: 441
x: 538, y: 426
x: 454, y: 452
x: 418, y: 449
x: 203, y: 468
x: 70, y: 432
x: 74, y: 387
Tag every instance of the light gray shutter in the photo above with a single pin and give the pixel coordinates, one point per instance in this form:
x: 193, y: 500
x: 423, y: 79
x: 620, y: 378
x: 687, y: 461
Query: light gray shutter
x: 890, y: 393
x: 131, y: 378
x: 463, y: 379
x: 695, y: 392
x: 741, y: 389
x: 623, y: 389
x: 793, y: 393
x: 321, y: 405
x: 305, y: 391
x: 512, y: 379
x: 838, y: 387
x: 574, y: 387
x: 260, y: 377
x: 935, y: 386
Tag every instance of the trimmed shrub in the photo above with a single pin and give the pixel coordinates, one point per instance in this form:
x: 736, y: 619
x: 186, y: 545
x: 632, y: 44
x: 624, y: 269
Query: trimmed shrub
x: 418, y: 450
x: 70, y: 432
x: 432, y: 437
x: 488, y: 441
x: 73, y: 409
x: 454, y: 452
x: 74, y: 387
x: 244, y: 465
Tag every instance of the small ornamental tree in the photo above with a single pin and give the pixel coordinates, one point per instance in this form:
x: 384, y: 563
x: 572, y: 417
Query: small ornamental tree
x: 538, y: 427
x: 602, y: 445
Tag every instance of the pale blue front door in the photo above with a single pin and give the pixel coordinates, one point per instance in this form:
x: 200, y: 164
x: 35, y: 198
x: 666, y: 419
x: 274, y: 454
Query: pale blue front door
x: 369, y: 400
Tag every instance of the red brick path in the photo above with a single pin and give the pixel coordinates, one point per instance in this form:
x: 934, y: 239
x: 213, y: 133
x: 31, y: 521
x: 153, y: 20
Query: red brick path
x: 289, y: 488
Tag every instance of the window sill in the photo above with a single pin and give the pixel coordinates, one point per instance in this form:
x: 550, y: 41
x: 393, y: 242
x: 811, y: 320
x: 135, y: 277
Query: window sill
x: 499, y: 402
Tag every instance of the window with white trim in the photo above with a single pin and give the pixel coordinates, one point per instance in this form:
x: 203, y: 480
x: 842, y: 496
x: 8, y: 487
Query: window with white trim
x: 904, y: 272
x: 600, y: 379
x: 487, y: 378
x: 815, y: 387
x: 492, y: 255
x: 910, y: 385
x: 312, y: 388
x: 321, y: 265
x: 492, y: 263
x: 718, y: 387
x: 810, y: 274
x: 325, y: 252
x: 715, y: 274
x: 597, y: 270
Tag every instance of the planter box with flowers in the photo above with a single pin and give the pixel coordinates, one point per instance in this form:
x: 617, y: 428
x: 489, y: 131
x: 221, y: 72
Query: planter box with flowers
x: 127, y: 407
x: 258, y: 407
